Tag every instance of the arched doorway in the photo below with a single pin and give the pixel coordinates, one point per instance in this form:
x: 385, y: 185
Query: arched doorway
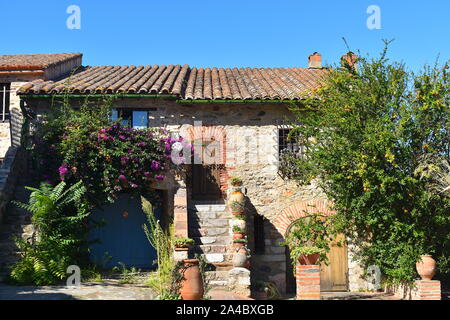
x: 334, y: 277
x: 122, y: 239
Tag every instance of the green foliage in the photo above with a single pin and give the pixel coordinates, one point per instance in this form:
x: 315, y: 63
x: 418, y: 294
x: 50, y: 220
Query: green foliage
x: 364, y: 133
x: 238, y: 229
x: 181, y: 242
x: 240, y: 241
x: 204, y: 266
x: 57, y: 215
x: 127, y: 275
x: 309, y: 235
x: 235, y: 181
x: 270, y: 288
x: 167, y: 278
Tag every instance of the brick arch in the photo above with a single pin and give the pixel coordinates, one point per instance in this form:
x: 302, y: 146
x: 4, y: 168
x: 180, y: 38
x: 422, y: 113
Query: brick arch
x: 299, y: 210
x: 212, y: 133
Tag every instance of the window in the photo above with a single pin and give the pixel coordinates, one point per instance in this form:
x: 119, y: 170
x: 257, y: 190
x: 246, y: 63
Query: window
x: 258, y: 228
x: 288, y: 144
x: 290, y: 148
x: 5, y: 100
x: 137, y: 119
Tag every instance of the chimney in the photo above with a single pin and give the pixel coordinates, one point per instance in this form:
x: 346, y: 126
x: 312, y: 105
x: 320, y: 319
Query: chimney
x: 350, y: 59
x: 315, y: 61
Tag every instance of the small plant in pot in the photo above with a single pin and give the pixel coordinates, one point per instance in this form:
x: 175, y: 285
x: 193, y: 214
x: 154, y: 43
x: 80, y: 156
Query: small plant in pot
x: 181, y: 242
x: 236, y: 182
x: 239, y: 242
x: 237, y: 207
x: 238, y: 232
x: 309, y: 240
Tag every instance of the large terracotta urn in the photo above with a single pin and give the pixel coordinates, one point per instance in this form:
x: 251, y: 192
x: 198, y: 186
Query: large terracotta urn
x: 192, y: 282
x: 309, y: 259
x: 426, y: 267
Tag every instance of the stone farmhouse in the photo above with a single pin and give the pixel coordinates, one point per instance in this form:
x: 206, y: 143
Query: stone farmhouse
x: 239, y: 115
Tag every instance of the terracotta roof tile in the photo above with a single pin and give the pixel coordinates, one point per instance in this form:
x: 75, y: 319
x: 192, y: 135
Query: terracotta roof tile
x: 187, y: 83
x: 34, y: 61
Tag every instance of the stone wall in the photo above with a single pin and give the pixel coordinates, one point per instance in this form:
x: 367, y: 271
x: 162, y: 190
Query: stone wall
x: 252, y: 154
x: 14, y: 164
x: 5, y: 138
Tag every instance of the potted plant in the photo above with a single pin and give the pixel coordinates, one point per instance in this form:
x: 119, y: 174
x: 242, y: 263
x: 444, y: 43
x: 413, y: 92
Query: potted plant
x: 309, y: 240
x: 426, y: 267
x: 239, y: 221
x: 238, y: 232
x: 238, y: 243
x: 237, y: 207
x: 181, y: 242
x: 236, y: 190
x: 236, y: 182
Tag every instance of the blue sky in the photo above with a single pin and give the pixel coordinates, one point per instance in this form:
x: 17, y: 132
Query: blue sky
x: 226, y: 33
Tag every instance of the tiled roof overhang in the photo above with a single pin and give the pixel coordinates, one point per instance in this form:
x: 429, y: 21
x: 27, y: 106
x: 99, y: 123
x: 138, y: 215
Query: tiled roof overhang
x: 185, y: 83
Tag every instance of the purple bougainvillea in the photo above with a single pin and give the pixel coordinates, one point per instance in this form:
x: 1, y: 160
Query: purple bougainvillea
x: 114, y: 159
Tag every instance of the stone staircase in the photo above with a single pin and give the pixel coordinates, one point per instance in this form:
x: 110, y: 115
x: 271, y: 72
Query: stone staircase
x: 15, y: 223
x: 209, y: 226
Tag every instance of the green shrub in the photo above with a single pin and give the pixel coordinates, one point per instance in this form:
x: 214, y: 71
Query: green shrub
x: 57, y: 215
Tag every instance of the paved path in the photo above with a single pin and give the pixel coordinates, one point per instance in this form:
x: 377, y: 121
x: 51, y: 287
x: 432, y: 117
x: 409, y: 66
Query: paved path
x: 113, y: 290
x: 108, y: 290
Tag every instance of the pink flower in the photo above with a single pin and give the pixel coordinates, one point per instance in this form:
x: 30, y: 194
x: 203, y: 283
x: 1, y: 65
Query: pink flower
x: 155, y: 165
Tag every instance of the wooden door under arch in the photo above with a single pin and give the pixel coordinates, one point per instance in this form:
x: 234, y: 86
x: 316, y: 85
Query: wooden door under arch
x: 334, y: 276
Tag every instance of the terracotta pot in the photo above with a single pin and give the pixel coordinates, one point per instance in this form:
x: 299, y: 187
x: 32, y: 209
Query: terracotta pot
x: 192, y: 282
x: 309, y: 259
x: 238, y: 244
x: 426, y: 267
x: 238, y: 235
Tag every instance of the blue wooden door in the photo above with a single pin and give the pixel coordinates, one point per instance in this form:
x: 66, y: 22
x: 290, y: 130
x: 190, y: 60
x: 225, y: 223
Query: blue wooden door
x: 122, y: 238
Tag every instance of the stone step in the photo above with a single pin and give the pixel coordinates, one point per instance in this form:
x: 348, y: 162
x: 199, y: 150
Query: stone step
x: 218, y: 240
x: 211, y: 249
x: 219, y: 284
x: 217, y: 275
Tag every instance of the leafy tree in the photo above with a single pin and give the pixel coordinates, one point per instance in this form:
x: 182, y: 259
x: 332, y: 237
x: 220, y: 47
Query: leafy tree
x: 365, y: 131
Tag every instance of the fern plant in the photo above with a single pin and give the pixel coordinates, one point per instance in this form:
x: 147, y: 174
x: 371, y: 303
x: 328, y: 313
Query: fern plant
x: 58, y: 214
